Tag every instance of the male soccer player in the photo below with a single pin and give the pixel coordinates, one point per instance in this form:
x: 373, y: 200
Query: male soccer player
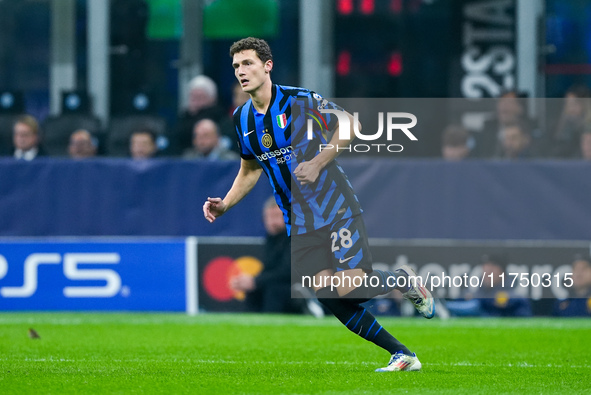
x: 322, y: 213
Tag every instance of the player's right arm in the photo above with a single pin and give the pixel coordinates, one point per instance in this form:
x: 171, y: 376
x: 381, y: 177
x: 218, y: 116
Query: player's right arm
x: 247, y: 177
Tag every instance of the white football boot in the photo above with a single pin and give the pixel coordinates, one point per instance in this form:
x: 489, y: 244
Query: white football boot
x: 402, y: 363
x: 418, y: 295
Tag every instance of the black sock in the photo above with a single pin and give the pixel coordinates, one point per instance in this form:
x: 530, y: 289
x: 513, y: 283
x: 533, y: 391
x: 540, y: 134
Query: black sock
x: 359, y: 321
x: 379, y: 282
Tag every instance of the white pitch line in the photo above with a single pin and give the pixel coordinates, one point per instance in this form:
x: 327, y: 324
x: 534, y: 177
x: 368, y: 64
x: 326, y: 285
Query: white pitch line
x: 231, y: 362
x: 180, y: 320
x: 207, y: 319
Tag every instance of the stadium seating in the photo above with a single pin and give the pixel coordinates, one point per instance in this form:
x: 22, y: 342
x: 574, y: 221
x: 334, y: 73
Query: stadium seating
x: 6, y: 122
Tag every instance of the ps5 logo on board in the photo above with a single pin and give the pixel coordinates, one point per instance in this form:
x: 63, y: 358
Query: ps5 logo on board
x: 71, y: 270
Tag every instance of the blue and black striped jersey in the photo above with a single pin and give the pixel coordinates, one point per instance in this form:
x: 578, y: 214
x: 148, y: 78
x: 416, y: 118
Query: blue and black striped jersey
x: 279, y: 141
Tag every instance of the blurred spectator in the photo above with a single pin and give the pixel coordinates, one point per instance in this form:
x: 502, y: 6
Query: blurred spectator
x: 82, y: 145
x: 206, y: 143
x: 270, y: 291
x: 203, y: 94
x: 575, y: 113
x: 26, y: 138
x: 586, y: 145
x: 239, y: 97
x: 579, y: 301
x: 511, y: 108
x: 202, y: 104
x: 515, y: 142
x: 492, y: 299
x: 454, y: 145
x: 142, y: 144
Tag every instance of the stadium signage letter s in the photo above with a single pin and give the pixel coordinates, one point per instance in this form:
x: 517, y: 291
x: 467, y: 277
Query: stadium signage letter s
x: 71, y: 272
x: 489, y: 44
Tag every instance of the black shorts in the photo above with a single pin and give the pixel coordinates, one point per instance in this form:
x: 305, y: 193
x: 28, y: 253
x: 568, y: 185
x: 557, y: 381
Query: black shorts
x: 339, y: 246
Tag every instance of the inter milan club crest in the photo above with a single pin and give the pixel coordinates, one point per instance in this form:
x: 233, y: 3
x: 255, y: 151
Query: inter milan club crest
x: 282, y: 121
x: 266, y: 140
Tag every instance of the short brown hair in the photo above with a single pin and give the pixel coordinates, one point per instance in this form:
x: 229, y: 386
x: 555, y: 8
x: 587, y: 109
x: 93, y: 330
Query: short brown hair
x: 259, y: 45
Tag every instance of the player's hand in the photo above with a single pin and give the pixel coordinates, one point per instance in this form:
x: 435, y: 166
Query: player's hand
x: 213, y: 208
x: 307, y: 172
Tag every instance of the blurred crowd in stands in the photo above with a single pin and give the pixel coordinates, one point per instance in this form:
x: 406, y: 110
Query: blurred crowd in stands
x: 204, y: 130
x: 513, y: 134
x: 496, y: 298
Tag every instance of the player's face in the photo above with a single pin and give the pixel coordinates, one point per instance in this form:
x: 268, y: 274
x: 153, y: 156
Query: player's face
x: 250, y: 71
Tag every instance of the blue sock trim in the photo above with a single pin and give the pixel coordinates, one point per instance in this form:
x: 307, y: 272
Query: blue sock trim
x: 369, y: 330
x: 378, y: 331
x: 359, y: 319
x: 351, y: 319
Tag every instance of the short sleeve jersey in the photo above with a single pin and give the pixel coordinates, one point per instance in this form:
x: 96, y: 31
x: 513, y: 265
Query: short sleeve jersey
x: 281, y: 139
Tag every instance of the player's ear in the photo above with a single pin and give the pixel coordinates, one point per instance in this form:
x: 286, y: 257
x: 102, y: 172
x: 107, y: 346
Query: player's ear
x: 268, y: 66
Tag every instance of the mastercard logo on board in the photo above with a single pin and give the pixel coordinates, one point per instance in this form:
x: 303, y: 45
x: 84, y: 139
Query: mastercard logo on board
x: 219, y: 271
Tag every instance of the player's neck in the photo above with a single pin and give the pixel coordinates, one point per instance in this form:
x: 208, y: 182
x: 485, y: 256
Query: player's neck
x: 261, y: 98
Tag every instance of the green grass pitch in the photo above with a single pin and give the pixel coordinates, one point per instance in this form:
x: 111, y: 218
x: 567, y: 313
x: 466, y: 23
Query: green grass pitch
x: 232, y: 354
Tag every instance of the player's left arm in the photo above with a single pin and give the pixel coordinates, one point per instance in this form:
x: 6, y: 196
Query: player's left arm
x: 308, y: 172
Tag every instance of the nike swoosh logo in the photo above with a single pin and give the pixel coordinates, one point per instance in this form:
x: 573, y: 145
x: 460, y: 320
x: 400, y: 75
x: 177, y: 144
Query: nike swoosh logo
x: 246, y: 134
x: 360, y: 329
x: 341, y: 260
